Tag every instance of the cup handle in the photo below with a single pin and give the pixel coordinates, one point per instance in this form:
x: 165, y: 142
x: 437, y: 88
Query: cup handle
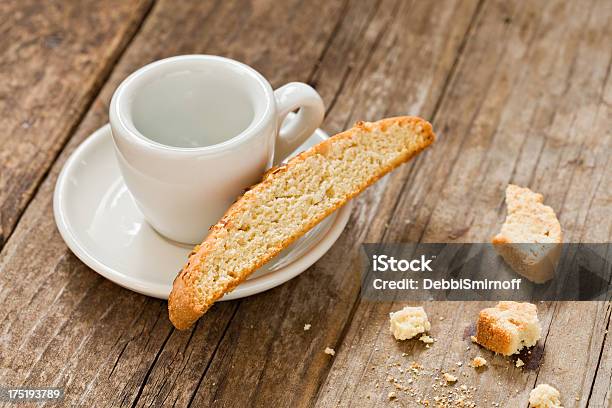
x: 292, y: 134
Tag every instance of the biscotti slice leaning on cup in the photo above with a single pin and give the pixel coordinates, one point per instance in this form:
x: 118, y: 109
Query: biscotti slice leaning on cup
x: 530, y: 239
x: 289, y: 201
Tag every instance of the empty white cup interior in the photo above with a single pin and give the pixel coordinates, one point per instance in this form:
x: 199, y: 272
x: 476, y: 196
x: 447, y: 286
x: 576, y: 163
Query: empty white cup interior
x: 193, y: 103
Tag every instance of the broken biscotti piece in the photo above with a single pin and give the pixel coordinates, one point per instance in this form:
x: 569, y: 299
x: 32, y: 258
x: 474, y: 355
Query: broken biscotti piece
x: 544, y: 396
x: 530, y: 239
x: 508, y: 327
x: 290, y: 201
x: 408, y: 322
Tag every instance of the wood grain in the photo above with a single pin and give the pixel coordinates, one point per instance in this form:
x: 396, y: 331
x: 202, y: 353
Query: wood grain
x: 518, y: 92
x: 531, y: 113
x: 93, y: 336
x: 55, y: 56
x: 132, y: 347
x: 376, y: 46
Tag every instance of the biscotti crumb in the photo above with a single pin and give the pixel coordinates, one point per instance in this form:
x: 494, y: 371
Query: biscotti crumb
x: 519, y: 362
x: 530, y: 238
x: 508, y: 327
x: 330, y: 351
x: 426, y: 339
x: 449, y: 378
x: 474, y: 339
x: 478, y: 362
x: 544, y: 396
x: 414, y: 366
x: 408, y: 322
x: 392, y: 395
x: 307, y: 326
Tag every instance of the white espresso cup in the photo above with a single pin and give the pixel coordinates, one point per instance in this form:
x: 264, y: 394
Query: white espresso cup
x: 192, y: 132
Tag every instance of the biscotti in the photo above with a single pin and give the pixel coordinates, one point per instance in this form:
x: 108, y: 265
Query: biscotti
x: 408, y: 322
x: 530, y: 238
x: 508, y: 327
x: 544, y: 396
x: 288, y: 202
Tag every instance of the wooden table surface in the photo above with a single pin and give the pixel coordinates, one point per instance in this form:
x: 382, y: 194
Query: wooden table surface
x: 518, y: 91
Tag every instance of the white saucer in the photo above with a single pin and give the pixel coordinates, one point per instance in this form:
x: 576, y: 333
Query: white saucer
x: 101, y: 224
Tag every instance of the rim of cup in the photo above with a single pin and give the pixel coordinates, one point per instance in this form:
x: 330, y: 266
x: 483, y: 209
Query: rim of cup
x: 121, y: 100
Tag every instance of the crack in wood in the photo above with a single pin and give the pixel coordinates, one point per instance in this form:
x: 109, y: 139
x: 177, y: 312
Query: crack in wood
x: 118, y: 358
x: 150, y: 369
x: 214, y: 353
x: 328, y: 43
x: 600, y: 357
